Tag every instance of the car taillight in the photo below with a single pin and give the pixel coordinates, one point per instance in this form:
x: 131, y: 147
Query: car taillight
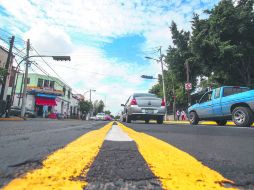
x: 133, y: 102
x: 163, y: 102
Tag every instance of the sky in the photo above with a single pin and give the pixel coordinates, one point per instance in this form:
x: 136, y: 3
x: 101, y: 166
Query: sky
x: 107, y: 40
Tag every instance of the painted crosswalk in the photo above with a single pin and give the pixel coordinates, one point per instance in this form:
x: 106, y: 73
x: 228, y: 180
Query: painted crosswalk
x: 117, y: 157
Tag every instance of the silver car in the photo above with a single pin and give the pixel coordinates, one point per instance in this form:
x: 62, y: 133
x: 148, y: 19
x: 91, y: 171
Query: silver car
x: 143, y: 106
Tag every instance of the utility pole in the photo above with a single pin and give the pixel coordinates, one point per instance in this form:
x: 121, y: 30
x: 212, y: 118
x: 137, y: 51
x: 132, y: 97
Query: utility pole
x: 90, y: 96
x: 7, y: 65
x: 188, y: 81
x: 163, y: 83
x: 14, y: 84
x: 23, y: 105
x: 21, y: 88
x: 173, y: 91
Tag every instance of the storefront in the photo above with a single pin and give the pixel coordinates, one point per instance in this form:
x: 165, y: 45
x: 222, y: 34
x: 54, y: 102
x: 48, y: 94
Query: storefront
x: 44, y: 104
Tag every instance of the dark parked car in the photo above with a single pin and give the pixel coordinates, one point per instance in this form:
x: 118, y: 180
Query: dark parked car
x: 16, y: 111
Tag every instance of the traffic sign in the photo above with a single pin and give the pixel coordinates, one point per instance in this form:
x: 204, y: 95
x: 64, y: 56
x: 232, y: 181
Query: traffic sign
x: 188, y: 86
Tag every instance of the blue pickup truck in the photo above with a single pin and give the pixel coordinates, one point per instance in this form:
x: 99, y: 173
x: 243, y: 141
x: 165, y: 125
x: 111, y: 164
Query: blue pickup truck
x: 223, y: 104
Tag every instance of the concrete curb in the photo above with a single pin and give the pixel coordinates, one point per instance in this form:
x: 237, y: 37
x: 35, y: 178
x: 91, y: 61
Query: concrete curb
x: 12, y: 119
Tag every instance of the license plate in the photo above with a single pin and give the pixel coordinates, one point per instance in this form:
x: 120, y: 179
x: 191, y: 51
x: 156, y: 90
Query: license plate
x: 149, y: 111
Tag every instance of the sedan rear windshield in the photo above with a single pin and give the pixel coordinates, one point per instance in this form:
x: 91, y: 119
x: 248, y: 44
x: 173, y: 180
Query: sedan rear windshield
x: 144, y: 95
x: 233, y: 90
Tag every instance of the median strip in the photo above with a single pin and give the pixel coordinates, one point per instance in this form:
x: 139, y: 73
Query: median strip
x: 62, y: 168
x: 175, y: 168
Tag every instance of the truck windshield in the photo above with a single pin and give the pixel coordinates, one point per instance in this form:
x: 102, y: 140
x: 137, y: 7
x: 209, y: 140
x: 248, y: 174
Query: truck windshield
x: 227, y: 91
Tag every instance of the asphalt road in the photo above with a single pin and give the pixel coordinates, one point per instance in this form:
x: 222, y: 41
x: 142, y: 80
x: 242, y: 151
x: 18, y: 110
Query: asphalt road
x: 228, y: 150
x: 119, y: 164
x: 24, y: 144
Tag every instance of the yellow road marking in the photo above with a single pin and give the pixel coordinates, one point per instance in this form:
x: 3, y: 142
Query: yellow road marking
x: 60, y: 168
x: 175, y: 168
x: 230, y: 123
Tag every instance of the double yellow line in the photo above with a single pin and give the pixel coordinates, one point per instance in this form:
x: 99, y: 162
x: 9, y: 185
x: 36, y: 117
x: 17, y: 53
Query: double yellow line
x: 62, y: 169
x: 66, y: 168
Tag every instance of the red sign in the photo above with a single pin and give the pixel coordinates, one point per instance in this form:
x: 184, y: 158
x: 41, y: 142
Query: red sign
x: 188, y: 86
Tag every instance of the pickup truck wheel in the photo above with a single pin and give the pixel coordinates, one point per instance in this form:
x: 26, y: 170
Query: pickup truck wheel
x: 221, y: 122
x: 128, y: 119
x: 194, y: 118
x: 242, y: 116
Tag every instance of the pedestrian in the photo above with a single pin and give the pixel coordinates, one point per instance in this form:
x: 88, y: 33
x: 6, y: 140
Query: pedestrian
x: 183, y: 115
x: 178, y: 115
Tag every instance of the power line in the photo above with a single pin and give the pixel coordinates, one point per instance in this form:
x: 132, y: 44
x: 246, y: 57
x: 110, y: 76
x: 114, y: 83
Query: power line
x: 52, y: 78
x: 17, y: 37
x: 50, y: 67
x: 19, y: 51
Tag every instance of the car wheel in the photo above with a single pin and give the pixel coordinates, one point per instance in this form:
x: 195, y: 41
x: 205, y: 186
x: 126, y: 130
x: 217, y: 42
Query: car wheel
x: 242, y: 116
x: 128, y: 119
x: 194, y: 118
x: 221, y: 122
x: 160, y: 120
x: 147, y: 121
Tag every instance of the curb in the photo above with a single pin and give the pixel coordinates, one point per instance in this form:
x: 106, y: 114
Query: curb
x: 12, y: 119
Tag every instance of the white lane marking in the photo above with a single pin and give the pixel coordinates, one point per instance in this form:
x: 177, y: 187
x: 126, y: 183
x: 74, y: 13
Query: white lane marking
x: 117, y: 134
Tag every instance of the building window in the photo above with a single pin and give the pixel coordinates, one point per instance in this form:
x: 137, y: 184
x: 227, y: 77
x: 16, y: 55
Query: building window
x: 40, y: 83
x: 64, y: 90
x: 69, y: 94
x: 52, y: 84
x: 46, y: 83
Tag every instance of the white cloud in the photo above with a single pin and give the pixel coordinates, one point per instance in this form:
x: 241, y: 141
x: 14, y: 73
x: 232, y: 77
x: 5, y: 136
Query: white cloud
x: 49, y: 39
x: 89, y: 68
x: 52, y: 25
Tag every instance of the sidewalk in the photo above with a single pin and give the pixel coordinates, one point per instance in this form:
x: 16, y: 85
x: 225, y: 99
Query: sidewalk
x: 29, y: 119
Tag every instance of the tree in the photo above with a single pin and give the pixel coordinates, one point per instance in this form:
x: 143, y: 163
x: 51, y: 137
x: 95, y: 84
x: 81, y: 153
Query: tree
x: 107, y: 112
x: 219, y: 51
x: 85, y: 107
x: 224, y: 43
x: 98, y: 107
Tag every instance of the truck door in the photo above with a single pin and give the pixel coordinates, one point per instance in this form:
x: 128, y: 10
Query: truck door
x: 205, y: 109
x: 217, y: 110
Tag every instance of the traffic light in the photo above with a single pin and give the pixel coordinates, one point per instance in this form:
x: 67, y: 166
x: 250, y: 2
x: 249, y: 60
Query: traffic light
x: 62, y: 58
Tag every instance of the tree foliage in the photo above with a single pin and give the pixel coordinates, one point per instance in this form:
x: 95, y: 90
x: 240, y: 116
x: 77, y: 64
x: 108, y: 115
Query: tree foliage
x: 219, y: 51
x: 98, y: 106
x: 85, y: 106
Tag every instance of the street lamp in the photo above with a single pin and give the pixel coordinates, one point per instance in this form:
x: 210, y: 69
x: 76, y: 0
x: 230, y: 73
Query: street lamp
x: 91, y: 90
x: 163, y: 83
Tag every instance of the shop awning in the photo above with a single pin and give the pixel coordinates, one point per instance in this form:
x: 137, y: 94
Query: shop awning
x: 45, y: 101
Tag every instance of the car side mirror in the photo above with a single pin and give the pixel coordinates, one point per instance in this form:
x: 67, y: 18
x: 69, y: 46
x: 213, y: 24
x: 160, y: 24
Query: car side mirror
x: 122, y: 105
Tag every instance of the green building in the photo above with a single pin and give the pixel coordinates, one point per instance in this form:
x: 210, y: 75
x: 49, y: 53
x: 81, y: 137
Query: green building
x: 45, y: 94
